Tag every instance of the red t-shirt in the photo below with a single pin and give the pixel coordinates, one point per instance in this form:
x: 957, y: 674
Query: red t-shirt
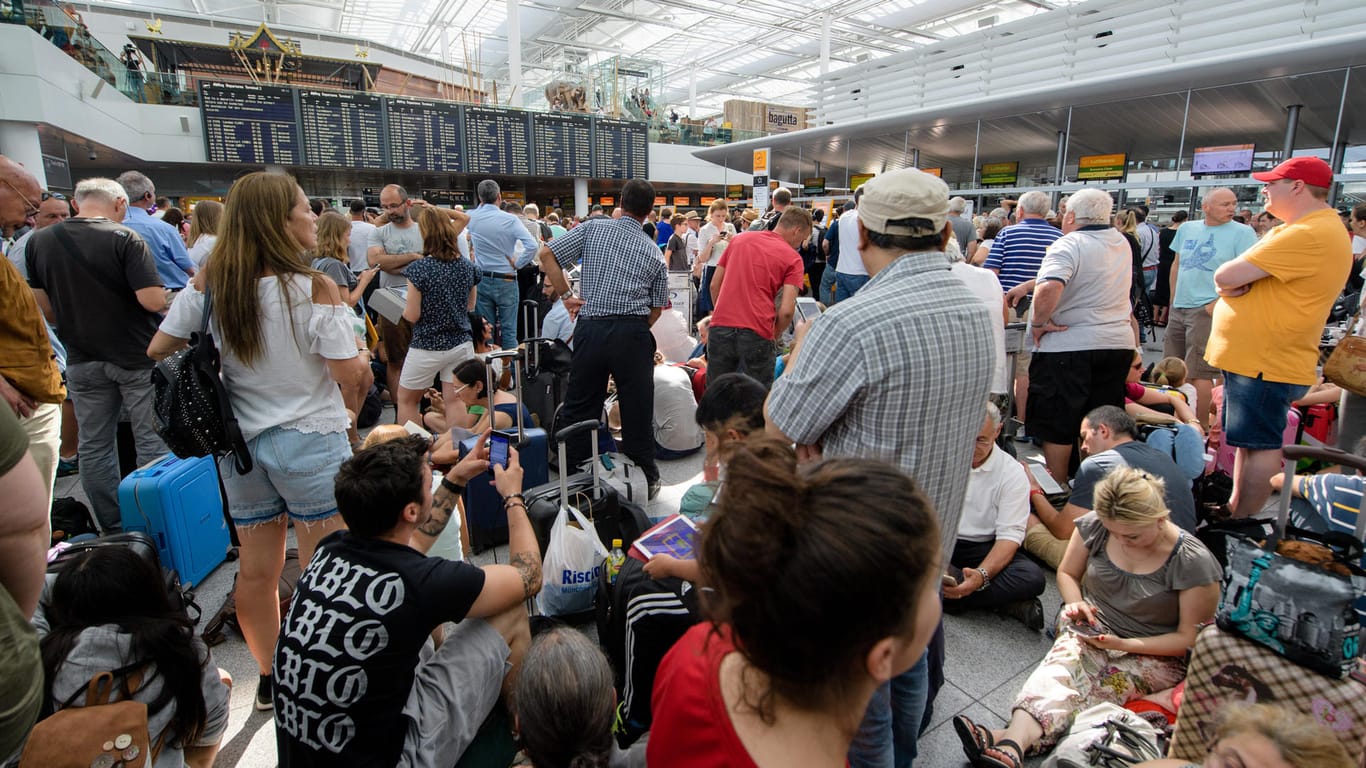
x: 691, y: 726
x: 1133, y: 392
x: 758, y: 265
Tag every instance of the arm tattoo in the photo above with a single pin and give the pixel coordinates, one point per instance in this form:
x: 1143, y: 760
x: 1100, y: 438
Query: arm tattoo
x: 443, y: 502
x: 529, y: 566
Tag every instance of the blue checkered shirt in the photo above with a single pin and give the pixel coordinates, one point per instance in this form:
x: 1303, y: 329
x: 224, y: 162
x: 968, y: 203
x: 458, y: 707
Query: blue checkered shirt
x: 622, y: 272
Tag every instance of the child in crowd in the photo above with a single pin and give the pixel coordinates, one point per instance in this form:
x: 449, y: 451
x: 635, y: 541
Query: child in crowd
x: 1171, y: 372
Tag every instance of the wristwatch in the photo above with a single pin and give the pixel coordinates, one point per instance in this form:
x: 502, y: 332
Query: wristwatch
x: 986, y: 579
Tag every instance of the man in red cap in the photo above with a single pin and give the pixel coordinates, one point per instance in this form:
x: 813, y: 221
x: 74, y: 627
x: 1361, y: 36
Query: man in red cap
x: 1274, y: 300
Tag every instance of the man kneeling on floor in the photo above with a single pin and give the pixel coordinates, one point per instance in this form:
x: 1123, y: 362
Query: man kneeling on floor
x: 988, y: 569
x: 358, y: 681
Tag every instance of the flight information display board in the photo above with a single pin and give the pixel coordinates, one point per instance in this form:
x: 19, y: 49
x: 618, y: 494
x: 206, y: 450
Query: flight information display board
x: 497, y: 141
x: 620, y: 149
x: 564, y: 144
x: 249, y: 124
x: 426, y: 136
x: 342, y: 129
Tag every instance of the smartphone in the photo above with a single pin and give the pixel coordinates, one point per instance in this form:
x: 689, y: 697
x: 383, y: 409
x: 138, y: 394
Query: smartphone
x: 499, y: 444
x: 807, y: 308
x: 1086, y: 630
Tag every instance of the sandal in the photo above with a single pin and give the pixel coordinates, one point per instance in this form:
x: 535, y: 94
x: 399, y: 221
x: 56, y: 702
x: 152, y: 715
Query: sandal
x: 975, y: 738
x: 1001, y: 758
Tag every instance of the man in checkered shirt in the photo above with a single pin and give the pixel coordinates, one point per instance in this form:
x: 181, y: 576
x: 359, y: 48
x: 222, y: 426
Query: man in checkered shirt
x: 625, y: 287
x: 899, y: 372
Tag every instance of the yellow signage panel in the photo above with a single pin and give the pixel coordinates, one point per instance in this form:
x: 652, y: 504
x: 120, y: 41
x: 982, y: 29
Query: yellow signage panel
x: 935, y: 172
x: 1093, y: 167
x: 857, y: 180
x: 760, y: 161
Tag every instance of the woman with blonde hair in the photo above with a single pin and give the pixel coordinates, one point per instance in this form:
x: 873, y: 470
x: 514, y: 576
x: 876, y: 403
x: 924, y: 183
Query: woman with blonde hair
x: 287, y: 343
x: 441, y: 294
x: 330, y: 257
x: 1268, y: 736
x: 715, y: 235
x: 203, y: 230
x: 1134, y: 588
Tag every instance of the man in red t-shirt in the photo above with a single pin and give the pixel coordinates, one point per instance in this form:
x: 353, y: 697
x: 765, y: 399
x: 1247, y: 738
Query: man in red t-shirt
x: 755, y: 285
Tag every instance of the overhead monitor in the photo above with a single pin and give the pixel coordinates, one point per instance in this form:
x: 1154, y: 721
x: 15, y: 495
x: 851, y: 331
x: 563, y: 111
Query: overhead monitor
x: 621, y: 149
x: 1101, y: 167
x: 938, y: 173
x: 343, y: 129
x: 813, y: 185
x: 1000, y: 173
x: 249, y: 124
x: 681, y: 201
x: 426, y: 135
x: 1231, y: 158
x: 497, y: 141
x: 857, y: 180
x: 564, y: 144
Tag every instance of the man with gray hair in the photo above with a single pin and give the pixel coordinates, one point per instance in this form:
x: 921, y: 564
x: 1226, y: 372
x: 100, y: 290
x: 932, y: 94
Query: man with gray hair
x: 97, y: 280
x: 963, y: 228
x: 167, y: 247
x: 1080, y: 327
x: 495, y: 234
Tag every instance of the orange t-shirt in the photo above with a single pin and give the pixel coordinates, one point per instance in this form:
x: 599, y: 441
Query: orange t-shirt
x: 28, y: 361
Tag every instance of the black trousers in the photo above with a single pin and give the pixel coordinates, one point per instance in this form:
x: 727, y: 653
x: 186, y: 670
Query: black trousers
x: 622, y: 348
x: 1021, y: 579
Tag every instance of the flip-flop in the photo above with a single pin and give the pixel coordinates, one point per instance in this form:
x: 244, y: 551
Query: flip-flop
x: 1005, y: 760
x: 975, y: 738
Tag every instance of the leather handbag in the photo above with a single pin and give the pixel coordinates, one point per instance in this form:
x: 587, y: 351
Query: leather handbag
x: 100, y: 732
x: 1296, y: 591
x: 1341, y: 367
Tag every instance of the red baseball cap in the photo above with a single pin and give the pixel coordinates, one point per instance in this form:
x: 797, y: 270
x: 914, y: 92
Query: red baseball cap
x: 1310, y: 170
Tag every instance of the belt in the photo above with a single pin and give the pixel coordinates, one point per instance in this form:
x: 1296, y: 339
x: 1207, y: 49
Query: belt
x: 614, y: 317
x: 1149, y: 269
x: 498, y: 275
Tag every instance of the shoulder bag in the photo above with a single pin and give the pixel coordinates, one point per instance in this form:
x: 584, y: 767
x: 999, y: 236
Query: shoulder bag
x: 1341, y: 367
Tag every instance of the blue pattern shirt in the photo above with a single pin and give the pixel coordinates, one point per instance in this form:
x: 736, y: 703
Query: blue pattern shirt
x: 495, y: 234
x: 165, y: 244
x: 1018, y: 250
x: 622, y: 272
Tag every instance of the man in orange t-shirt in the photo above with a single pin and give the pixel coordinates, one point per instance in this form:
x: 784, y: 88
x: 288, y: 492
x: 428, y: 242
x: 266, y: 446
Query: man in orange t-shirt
x: 1274, y: 300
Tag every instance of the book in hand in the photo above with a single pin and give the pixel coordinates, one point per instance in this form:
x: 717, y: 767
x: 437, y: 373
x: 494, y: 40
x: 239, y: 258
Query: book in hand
x: 676, y: 536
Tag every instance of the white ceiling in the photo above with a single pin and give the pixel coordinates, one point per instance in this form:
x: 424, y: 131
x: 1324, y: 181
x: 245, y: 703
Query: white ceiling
x: 748, y: 49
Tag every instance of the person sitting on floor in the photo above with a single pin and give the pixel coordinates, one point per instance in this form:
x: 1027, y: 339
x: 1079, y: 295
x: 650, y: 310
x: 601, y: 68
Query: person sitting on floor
x: 471, y: 380
x: 677, y: 434
x: 1154, y: 406
x: 1135, y: 587
x: 1266, y: 735
x: 1328, y: 503
x: 1109, y: 440
x: 358, y: 679
x: 825, y: 585
x: 988, y: 568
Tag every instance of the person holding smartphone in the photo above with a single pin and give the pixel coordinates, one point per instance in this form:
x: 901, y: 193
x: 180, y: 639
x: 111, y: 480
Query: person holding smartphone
x: 714, y: 236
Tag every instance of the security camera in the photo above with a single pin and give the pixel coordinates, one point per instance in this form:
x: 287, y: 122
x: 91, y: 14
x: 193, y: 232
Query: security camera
x: 93, y: 156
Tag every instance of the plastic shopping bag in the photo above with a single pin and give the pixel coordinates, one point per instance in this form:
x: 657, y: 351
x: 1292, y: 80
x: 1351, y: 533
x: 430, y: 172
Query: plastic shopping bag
x: 573, y: 564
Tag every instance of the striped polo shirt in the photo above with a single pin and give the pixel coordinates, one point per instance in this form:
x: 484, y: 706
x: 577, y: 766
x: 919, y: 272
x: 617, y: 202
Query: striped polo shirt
x: 1018, y: 250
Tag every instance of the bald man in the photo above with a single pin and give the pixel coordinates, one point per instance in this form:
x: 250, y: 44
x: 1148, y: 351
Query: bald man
x: 1201, y: 248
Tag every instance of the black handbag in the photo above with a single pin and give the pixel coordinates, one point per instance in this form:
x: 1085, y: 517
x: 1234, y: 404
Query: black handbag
x: 1303, y: 611
x: 192, y: 412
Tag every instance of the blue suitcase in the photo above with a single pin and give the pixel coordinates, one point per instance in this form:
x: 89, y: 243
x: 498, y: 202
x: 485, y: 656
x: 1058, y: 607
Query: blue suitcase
x: 176, y: 502
x: 488, y: 525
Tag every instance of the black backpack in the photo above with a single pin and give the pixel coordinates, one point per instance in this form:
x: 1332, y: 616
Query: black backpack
x: 191, y: 411
x: 70, y: 518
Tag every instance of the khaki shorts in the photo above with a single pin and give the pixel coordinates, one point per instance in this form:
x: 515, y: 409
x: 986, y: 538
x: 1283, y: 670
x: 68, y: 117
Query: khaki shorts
x: 1043, y: 545
x: 1025, y: 354
x: 1187, y: 334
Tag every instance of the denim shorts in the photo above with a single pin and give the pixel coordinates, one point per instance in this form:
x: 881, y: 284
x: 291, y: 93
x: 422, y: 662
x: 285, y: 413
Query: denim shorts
x: 1255, y: 411
x: 293, y: 472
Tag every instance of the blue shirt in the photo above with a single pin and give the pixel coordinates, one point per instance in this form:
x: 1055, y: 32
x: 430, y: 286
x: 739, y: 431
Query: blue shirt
x: 1018, y: 250
x: 663, y: 231
x: 165, y: 244
x: 1202, y: 249
x: 622, y: 272
x: 495, y: 234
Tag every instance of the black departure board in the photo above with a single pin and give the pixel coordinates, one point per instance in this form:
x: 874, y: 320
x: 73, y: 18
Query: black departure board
x: 620, y: 149
x: 342, y: 129
x: 426, y: 136
x: 564, y: 144
x: 497, y: 141
x: 250, y: 124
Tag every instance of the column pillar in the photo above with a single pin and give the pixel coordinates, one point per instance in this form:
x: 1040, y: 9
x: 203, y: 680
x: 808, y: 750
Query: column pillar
x: 514, y: 25
x: 1292, y: 125
x: 19, y: 142
x: 581, y: 197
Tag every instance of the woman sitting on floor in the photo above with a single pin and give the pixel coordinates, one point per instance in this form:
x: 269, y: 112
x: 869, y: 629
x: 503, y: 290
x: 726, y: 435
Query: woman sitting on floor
x: 1135, y: 587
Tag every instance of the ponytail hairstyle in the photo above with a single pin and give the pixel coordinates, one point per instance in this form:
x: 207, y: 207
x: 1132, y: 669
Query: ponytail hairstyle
x: 812, y: 567
x: 1169, y: 372
x: 565, y: 702
x: 115, y: 585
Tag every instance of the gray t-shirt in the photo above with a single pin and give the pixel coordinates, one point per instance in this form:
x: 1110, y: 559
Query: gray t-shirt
x: 1095, y: 266
x: 964, y: 231
x: 396, y: 240
x: 1142, y: 456
x: 1142, y: 605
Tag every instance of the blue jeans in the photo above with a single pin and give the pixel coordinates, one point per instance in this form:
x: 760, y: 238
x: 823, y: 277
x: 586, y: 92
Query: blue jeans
x: 848, y: 285
x: 886, y: 737
x: 1255, y: 411
x: 826, y: 292
x: 497, y: 302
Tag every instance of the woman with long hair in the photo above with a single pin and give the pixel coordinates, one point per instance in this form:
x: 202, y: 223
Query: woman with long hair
x: 441, y: 294
x: 715, y: 235
x: 203, y: 230
x: 287, y: 343
x: 330, y: 257
x: 824, y: 585
x: 108, y: 610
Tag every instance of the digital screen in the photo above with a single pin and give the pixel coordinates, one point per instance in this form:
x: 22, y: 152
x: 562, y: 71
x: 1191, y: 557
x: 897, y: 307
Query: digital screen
x: 1094, y: 167
x: 342, y: 129
x: 564, y: 144
x: 682, y: 200
x: 426, y: 136
x: 250, y: 124
x: 1000, y: 173
x: 497, y: 141
x: 620, y: 149
x: 857, y: 180
x: 1233, y: 158
x: 498, y: 449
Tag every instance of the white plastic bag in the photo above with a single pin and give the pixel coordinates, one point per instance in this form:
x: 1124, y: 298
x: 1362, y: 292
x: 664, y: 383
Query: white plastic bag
x: 573, y: 564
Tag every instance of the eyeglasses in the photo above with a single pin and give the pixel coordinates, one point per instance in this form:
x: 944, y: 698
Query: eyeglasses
x: 393, y: 206
x: 1138, y: 366
x: 53, y: 196
x: 31, y: 207
x: 461, y: 389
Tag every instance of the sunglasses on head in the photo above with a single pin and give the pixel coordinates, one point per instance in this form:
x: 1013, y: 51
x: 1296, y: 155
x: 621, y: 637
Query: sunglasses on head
x: 53, y: 196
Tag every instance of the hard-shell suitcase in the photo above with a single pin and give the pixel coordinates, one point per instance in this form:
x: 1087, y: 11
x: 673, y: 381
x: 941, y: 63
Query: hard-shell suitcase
x: 590, y: 493
x: 488, y: 525
x: 177, y: 503
x: 545, y: 369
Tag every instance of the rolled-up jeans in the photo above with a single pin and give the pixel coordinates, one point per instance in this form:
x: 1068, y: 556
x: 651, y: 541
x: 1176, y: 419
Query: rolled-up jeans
x: 100, y: 391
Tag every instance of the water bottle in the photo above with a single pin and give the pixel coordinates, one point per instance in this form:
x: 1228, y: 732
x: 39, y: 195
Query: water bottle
x: 615, y: 558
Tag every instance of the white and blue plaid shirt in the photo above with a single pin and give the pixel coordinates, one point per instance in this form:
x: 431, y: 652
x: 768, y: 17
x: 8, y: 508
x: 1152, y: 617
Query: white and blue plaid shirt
x: 622, y: 273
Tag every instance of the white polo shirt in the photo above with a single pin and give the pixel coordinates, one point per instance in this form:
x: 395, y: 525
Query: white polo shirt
x: 997, y: 503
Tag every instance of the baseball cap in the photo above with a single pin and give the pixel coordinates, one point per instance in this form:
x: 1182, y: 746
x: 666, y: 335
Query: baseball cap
x: 904, y: 194
x: 1310, y: 170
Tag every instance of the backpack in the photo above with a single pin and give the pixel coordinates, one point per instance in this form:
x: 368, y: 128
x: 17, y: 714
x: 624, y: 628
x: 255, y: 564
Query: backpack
x: 227, y: 615
x: 191, y: 410
x: 98, y: 732
x: 71, y: 520
x: 810, y: 251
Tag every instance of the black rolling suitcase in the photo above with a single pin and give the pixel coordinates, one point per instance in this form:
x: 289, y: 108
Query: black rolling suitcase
x: 613, y: 517
x: 545, y: 370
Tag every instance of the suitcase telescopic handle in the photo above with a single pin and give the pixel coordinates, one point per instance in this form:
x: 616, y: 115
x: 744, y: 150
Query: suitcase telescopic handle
x: 592, y: 426
x: 1333, y: 455
x: 513, y: 356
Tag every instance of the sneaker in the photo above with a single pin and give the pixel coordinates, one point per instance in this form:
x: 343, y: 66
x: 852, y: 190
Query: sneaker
x: 1020, y: 436
x: 653, y: 490
x: 1027, y: 612
x: 264, y: 702
x: 68, y: 467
